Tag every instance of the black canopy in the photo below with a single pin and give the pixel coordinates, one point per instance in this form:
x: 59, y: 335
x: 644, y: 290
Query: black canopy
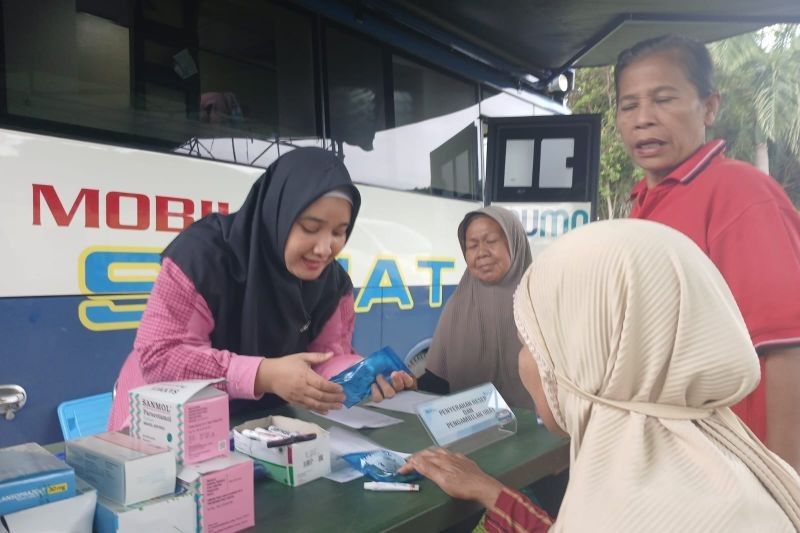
x: 546, y: 37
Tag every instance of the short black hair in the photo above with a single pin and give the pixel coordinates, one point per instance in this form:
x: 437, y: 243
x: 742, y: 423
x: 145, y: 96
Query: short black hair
x: 693, y: 55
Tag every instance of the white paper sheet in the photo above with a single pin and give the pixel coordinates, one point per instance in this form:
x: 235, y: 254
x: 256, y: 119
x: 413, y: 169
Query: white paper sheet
x: 404, y: 401
x: 344, y: 474
x: 358, y: 417
x: 344, y: 441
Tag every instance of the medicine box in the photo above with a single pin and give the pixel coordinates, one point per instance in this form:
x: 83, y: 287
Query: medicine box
x: 71, y: 515
x: 291, y: 465
x: 189, y: 417
x: 122, y: 468
x: 31, y: 476
x: 223, y: 491
x: 175, y: 512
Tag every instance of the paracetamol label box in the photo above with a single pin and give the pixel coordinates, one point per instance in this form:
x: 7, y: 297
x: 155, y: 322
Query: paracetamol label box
x: 31, y: 476
x: 122, y: 468
x: 189, y: 417
x: 291, y: 465
x: 174, y: 512
x: 223, y: 491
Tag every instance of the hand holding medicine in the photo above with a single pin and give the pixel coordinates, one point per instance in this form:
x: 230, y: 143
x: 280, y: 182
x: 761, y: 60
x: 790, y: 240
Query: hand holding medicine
x: 380, y: 375
x: 292, y: 378
x: 456, y: 474
x: 398, y: 381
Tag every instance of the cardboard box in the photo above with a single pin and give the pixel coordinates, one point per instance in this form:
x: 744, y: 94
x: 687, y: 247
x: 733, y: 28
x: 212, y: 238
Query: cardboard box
x: 72, y: 515
x: 31, y: 476
x: 174, y: 512
x: 291, y: 465
x: 189, y: 417
x: 122, y: 468
x: 223, y: 491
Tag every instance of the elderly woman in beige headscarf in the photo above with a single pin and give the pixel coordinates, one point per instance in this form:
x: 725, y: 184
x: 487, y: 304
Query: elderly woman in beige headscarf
x: 475, y: 340
x: 634, y: 347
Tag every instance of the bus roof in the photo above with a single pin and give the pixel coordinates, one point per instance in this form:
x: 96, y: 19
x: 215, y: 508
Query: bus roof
x: 545, y: 37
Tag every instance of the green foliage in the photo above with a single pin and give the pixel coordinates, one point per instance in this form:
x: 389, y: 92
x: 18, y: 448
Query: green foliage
x: 758, y: 75
x: 594, y: 93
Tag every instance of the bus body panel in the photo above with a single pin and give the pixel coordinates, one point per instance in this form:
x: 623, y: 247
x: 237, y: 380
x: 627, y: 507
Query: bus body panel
x: 84, y: 224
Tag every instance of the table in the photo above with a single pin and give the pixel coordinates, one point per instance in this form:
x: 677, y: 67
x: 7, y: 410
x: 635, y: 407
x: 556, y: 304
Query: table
x: 324, y: 505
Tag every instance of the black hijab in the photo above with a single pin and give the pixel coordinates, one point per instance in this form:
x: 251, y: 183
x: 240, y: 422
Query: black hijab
x: 236, y: 261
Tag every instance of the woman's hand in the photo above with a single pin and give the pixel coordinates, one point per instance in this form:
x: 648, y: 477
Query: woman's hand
x: 455, y: 474
x: 292, y: 378
x: 383, y: 389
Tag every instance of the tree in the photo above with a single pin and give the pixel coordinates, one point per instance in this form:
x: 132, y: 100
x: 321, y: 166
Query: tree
x: 594, y: 93
x: 758, y: 75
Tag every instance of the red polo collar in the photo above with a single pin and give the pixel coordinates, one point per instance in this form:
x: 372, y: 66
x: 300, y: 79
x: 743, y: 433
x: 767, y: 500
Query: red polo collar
x: 689, y: 169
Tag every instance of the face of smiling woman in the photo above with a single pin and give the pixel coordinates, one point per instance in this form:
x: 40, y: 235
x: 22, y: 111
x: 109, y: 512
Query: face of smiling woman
x: 660, y: 115
x: 487, y: 254
x: 317, y: 236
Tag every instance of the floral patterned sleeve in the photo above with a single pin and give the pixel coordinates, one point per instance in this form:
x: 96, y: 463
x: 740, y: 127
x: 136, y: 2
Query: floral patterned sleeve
x: 513, y: 512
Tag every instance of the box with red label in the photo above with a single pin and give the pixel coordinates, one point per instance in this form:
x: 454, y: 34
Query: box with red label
x: 223, y: 491
x: 189, y: 417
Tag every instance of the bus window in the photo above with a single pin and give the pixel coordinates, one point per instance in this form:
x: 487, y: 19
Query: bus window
x: 454, y: 166
x: 421, y: 93
x: 185, y: 70
x: 356, y: 89
x: 399, y: 123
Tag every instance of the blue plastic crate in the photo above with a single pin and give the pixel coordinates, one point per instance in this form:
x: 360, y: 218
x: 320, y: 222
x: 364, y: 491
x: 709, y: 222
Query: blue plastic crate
x: 84, y: 416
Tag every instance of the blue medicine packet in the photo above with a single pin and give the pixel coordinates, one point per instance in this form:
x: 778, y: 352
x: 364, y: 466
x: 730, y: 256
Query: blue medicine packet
x: 357, y: 379
x: 380, y: 465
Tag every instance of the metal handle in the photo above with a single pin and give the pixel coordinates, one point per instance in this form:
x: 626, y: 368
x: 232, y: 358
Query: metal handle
x: 12, y: 399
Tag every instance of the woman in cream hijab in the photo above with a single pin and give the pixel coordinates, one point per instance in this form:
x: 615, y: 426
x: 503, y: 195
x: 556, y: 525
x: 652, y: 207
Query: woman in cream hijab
x: 634, y: 347
x: 475, y: 340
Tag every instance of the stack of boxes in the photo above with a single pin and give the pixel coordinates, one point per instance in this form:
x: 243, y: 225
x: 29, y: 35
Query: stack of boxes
x: 192, y: 419
x: 116, y: 482
x: 130, y: 474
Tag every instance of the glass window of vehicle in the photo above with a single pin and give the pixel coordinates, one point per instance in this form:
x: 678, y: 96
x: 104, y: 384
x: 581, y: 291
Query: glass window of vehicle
x: 214, y: 68
x: 421, y: 92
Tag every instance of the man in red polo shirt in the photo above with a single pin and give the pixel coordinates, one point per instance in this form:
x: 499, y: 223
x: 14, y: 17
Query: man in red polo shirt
x: 739, y: 216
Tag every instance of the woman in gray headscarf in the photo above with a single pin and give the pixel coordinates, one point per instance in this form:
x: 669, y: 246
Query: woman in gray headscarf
x: 475, y: 340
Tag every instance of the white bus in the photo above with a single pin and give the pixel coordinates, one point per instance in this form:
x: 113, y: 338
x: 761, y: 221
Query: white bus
x: 122, y: 122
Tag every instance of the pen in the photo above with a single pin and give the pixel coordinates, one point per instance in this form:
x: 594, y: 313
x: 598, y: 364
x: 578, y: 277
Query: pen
x: 291, y: 440
x: 275, y: 439
x: 295, y: 436
x: 281, y: 442
x: 303, y: 437
x: 272, y: 440
x: 383, y: 486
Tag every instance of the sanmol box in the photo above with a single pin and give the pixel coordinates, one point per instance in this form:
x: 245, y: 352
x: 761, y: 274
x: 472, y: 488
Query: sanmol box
x: 30, y: 476
x: 189, y: 417
x: 224, y: 492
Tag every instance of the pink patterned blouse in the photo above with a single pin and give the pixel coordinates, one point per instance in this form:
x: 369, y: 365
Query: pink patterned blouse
x: 173, y: 343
